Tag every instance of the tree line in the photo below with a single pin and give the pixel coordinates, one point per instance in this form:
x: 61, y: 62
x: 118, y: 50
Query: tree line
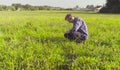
x: 112, y: 6
x: 20, y: 7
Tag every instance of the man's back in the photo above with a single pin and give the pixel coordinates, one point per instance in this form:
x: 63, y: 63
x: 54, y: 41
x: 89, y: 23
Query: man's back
x: 80, y: 26
x: 79, y: 31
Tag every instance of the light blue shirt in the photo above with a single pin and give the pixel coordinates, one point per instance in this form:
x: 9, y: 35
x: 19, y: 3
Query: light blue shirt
x: 80, y: 26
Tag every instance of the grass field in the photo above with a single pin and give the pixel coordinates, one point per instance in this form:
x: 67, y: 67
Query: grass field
x: 34, y: 40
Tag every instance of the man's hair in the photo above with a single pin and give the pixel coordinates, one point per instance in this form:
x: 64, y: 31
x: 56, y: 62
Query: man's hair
x: 67, y: 16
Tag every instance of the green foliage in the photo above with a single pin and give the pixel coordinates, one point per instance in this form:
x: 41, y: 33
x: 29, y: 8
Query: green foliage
x: 112, y: 6
x: 27, y: 7
x: 35, y: 41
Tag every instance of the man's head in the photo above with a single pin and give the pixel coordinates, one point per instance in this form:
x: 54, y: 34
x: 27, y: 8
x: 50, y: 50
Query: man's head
x: 69, y: 18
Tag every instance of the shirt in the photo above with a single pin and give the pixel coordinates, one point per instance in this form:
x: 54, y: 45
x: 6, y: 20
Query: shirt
x: 80, y: 26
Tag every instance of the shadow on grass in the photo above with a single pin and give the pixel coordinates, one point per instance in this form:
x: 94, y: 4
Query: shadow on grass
x: 44, y: 39
x: 53, y: 40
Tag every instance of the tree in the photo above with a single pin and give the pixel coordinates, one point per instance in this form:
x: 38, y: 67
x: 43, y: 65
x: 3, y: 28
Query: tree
x: 112, y: 6
x: 1, y: 8
x: 17, y: 6
x: 76, y: 6
x: 27, y: 7
x: 12, y: 8
x: 90, y: 7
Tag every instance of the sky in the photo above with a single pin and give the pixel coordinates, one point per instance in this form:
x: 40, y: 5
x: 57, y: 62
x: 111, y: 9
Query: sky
x: 56, y: 3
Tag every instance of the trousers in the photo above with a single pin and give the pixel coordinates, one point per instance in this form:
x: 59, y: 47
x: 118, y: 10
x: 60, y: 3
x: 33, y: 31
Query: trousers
x: 77, y: 36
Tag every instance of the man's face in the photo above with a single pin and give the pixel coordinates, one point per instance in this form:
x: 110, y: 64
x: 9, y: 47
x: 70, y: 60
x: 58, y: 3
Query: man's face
x: 70, y: 19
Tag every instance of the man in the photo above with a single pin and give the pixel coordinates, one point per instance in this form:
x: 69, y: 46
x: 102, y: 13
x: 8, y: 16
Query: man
x: 79, y: 31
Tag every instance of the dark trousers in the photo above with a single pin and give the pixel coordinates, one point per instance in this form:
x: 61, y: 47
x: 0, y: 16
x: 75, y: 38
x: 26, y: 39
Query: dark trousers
x: 75, y: 36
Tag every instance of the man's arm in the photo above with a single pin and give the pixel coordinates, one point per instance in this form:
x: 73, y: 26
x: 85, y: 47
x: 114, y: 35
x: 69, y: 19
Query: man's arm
x: 76, y: 26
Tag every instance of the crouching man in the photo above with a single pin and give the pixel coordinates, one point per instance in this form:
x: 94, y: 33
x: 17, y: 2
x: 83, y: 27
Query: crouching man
x: 79, y: 31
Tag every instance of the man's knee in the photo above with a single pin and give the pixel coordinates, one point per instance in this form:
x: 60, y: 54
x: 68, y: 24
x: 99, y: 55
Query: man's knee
x: 69, y: 36
x: 72, y: 35
x: 76, y: 35
x: 66, y: 35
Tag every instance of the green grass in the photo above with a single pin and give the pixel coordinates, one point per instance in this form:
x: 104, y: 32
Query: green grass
x: 34, y: 40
